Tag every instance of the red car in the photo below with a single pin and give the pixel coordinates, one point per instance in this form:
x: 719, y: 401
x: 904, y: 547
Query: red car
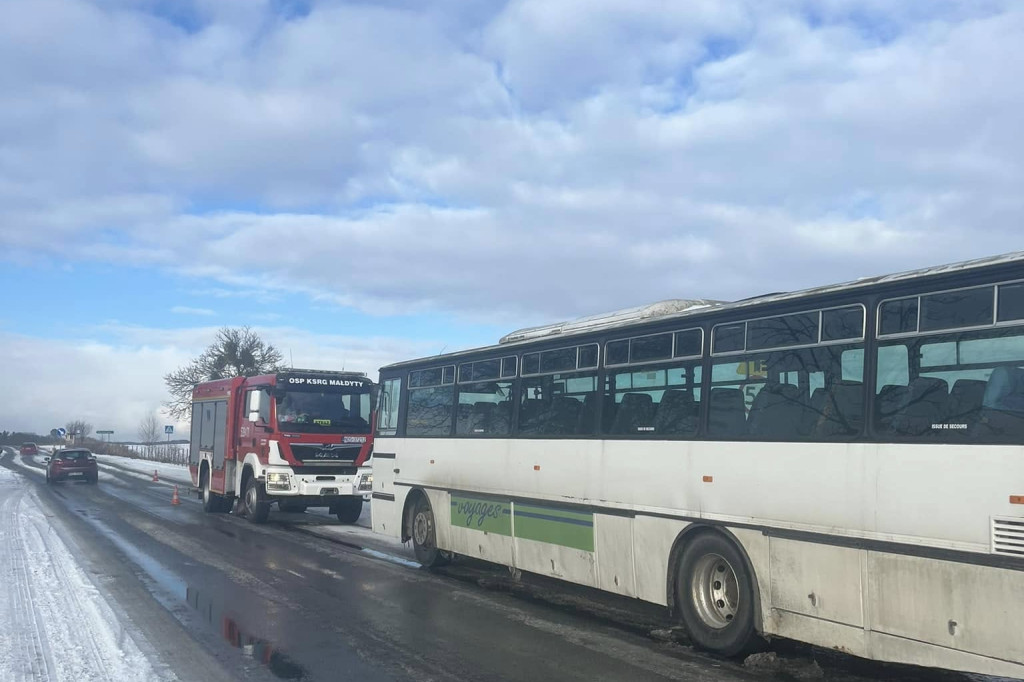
x: 72, y: 462
x: 28, y: 449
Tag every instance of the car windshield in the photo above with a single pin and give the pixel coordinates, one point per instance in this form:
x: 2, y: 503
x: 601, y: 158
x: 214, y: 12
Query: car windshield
x: 345, y: 411
x: 75, y: 454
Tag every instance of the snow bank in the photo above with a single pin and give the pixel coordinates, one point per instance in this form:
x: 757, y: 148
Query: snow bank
x: 57, y: 624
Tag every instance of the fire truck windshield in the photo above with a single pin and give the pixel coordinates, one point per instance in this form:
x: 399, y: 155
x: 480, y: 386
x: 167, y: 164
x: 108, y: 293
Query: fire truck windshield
x: 332, y: 411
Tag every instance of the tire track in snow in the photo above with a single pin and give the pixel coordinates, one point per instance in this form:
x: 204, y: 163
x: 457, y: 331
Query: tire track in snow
x: 60, y: 627
x: 27, y: 654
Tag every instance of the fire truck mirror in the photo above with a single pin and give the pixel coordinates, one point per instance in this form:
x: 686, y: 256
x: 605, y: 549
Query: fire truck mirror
x: 254, y: 406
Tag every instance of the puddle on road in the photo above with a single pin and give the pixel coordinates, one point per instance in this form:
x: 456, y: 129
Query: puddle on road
x: 253, y: 647
x: 259, y: 650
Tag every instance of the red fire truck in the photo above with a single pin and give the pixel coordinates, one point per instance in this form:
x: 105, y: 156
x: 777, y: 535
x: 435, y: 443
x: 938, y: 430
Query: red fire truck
x: 299, y: 438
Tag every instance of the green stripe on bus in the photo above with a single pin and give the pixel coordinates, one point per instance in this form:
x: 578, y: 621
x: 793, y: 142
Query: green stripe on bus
x: 555, y: 511
x: 489, y: 516
x: 555, y: 526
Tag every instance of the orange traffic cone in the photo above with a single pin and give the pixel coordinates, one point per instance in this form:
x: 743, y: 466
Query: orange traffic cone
x: 155, y: 477
x: 174, y: 497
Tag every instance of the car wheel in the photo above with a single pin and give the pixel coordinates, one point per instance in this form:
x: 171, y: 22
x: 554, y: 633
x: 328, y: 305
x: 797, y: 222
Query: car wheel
x: 424, y: 536
x: 93, y: 480
x: 257, y: 508
x: 715, y: 595
x: 349, y: 509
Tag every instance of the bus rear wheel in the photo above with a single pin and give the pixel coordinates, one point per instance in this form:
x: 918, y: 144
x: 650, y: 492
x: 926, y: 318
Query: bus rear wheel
x: 714, y: 595
x: 424, y: 535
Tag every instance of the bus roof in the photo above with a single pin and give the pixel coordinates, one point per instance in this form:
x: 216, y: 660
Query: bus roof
x: 682, y: 308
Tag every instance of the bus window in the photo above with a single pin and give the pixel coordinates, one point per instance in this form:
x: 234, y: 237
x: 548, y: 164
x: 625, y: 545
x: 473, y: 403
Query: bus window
x: 485, y: 409
x: 557, y: 405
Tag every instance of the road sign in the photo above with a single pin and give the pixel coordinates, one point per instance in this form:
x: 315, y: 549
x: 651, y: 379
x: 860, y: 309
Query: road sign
x: 168, y: 429
x: 104, y: 432
x: 62, y: 432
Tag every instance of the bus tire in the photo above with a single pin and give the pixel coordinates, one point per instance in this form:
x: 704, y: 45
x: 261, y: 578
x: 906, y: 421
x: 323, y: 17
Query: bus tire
x: 714, y: 594
x: 212, y: 502
x: 349, y: 509
x: 257, y: 508
x: 424, y: 535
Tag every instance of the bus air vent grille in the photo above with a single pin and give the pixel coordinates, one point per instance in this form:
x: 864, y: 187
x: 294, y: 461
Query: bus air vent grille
x: 1008, y: 536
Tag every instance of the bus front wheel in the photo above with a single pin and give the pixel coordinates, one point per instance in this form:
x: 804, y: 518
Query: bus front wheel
x: 424, y: 535
x: 714, y: 595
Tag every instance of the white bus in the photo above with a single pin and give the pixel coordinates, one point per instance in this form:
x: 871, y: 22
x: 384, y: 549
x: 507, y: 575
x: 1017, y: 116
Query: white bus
x: 842, y: 466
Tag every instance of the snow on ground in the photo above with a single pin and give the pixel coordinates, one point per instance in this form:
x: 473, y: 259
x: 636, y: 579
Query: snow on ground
x: 57, y: 625
x: 169, y: 473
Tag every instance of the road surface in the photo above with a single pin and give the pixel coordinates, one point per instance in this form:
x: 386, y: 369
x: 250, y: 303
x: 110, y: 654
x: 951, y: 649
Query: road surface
x: 195, y: 596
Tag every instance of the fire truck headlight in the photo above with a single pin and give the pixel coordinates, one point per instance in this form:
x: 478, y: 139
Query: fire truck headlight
x: 366, y: 483
x: 278, y: 481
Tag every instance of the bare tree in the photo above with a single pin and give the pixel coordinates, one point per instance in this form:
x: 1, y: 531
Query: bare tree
x: 235, y: 352
x: 79, y: 429
x: 149, y: 429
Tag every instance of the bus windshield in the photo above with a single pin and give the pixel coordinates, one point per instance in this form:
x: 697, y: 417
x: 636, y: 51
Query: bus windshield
x: 332, y: 411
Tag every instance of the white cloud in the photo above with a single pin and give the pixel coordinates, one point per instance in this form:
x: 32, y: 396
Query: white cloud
x: 113, y: 385
x: 441, y: 157
x: 185, y: 310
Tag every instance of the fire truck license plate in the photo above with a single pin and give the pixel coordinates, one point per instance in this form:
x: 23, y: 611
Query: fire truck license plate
x: 328, y: 491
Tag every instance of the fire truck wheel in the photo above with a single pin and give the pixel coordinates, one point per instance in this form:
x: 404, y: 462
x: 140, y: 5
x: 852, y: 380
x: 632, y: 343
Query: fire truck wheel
x: 257, y: 508
x: 349, y: 509
x: 212, y: 502
x: 424, y: 536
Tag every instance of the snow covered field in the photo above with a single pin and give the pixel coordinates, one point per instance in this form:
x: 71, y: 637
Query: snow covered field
x: 57, y: 625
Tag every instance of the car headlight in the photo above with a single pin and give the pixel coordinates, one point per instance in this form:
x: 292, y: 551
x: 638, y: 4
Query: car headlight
x: 277, y: 480
x: 366, y: 483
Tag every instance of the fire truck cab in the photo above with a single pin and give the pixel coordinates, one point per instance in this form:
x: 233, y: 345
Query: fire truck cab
x: 300, y: 438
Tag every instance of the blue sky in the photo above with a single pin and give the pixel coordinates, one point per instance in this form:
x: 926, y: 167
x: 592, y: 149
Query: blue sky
x: 371, y: 182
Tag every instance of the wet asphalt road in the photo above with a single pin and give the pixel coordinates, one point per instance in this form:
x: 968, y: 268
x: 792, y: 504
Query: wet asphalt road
x: 266, y: 602
x: 221, y: 599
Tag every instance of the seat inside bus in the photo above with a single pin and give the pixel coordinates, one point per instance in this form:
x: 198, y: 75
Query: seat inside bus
x: 726, y: 412
x: 635, y: 414
x: 678, y: 413
x: 778, y: 411
x: 1002, y: 409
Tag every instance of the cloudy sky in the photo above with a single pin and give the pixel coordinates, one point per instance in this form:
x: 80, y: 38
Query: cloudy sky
x: 365, y: 182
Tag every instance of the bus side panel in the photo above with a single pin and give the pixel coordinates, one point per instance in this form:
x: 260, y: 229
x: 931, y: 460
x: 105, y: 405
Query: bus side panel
x: 477, y: 526
x: 953, y: 605
x: 901, y: 650
x: 844, y: 638
x: 652, y: 544
x: 822, y: 581
x: 613, y: 540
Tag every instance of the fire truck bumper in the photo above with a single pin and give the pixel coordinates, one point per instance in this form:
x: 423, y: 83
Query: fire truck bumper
x: 284, y: 483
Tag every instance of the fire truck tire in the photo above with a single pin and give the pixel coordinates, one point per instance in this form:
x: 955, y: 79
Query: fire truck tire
x: 349, y: 509
x: 424, y: 536
x: 257, y: 508
x: 212, y: 502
